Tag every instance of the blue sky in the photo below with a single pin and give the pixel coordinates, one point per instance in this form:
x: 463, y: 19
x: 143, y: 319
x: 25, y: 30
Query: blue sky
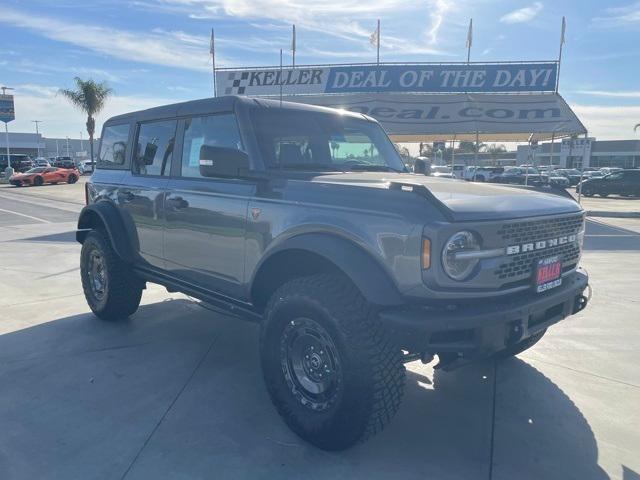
x: 156, y: 51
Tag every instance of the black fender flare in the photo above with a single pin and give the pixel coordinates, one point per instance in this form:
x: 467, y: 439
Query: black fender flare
x: 123, y: 239
x: 368, y: 275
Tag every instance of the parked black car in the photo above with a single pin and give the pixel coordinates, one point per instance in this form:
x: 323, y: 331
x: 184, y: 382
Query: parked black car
x: 19, y: 162
x: 64, y: 162
x: 625, y: 183
x: 574, y: 176
x: 518, y: 176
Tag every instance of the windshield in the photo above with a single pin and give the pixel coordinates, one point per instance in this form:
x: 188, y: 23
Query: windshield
x: 293, y: 140
x: 440, y: 170
x: 36, y: 170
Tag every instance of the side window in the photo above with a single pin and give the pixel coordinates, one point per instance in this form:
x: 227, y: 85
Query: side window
x: 214, y: 130
x: 154, y: 148
x: 113, y: 150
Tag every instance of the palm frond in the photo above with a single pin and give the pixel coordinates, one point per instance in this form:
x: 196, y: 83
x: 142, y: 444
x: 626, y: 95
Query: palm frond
x: 89, y: 95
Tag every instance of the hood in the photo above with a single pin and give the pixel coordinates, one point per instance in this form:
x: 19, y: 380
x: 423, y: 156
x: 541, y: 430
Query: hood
x: 466, y: 200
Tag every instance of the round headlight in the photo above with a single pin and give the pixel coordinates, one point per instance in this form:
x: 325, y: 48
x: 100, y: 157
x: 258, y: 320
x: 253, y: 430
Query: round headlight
x: 453, y: 259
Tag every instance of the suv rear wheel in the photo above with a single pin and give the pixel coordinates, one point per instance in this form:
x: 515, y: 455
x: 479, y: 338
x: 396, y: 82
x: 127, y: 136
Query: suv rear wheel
x: 112, y: 290
x: 331, y: 371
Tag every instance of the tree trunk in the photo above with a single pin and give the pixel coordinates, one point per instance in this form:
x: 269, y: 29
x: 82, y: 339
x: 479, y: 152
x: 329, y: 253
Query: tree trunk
x: 91, y: 127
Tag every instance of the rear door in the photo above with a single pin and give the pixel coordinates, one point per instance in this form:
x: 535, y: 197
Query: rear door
x: 206, y: 217
x: 141, y: 195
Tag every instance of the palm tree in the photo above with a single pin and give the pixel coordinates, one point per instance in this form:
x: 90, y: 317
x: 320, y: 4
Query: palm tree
x: 90, y: 97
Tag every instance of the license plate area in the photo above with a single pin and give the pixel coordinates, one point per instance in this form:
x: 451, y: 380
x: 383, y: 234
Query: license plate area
x: 548, y: 273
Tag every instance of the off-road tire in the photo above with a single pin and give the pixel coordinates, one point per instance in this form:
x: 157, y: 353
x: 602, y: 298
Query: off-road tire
x: 520, y: 347
x: 38, y: 181
x: 604, y: 195
x: 72, y: 179
x: 122, y: 290
x: 372, y: 373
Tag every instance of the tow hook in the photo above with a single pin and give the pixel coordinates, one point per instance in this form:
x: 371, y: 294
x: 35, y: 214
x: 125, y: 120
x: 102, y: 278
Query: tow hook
x: 582, y: 300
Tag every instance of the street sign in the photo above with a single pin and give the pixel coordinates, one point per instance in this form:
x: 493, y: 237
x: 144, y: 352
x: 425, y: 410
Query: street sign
x: 7, y: 112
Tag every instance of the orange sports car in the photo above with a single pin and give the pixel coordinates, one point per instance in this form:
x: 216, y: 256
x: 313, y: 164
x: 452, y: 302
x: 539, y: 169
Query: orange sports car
x: 41, y: 175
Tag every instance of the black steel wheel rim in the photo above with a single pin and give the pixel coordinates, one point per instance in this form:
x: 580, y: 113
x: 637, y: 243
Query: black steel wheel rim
x: 97, y: 274
x: 310, y: 364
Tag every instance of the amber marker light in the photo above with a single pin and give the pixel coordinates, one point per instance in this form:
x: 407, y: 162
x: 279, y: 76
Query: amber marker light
x: 426, y: 253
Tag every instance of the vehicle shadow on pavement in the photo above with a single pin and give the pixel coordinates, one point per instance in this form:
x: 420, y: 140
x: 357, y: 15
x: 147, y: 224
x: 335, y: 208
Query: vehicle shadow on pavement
x: 176, y: 392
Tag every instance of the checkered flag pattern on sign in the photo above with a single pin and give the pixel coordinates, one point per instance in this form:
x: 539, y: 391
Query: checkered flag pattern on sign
x: 238, y: 84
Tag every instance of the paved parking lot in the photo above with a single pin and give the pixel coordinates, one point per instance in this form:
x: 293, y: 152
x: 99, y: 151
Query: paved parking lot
x: 176, y: 391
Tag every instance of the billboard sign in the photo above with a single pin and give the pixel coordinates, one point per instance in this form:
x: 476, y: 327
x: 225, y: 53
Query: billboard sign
x: 505, y: 117
x: 7, y: 112
x: 385, y: 78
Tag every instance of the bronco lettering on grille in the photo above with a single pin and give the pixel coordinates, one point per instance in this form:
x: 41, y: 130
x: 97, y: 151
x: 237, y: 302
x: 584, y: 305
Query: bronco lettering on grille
x: 541, y: 244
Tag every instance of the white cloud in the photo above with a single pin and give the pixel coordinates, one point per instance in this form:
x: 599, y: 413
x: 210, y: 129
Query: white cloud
x: 176, y: 50
x: 614, y: 93
x: 60, y: 118
x: 438, y: 9
x: 608, y: 122
x: 523, y: 15
x: 627, y: 15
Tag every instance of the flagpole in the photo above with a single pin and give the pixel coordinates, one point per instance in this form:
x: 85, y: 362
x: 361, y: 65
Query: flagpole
x: 280, y: 77
x: 378, y: 45
x: 562, y: 31
x: 469, y: 39
x: 293, y: 47
x: 212, y: 50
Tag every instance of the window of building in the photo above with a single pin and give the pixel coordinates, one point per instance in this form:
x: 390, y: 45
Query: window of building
x: 154, y: 148
x: 113, y: 149
x: 212, y: 130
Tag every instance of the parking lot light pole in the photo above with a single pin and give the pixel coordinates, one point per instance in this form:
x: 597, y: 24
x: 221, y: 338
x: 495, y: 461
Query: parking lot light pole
x: 37, y: 122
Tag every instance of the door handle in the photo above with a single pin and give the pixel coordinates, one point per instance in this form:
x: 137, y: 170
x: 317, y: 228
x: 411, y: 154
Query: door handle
x: 177, y: 203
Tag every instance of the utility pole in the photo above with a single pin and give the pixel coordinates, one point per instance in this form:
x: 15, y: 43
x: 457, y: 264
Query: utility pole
x: 68, y: 151
x: 37, y: 122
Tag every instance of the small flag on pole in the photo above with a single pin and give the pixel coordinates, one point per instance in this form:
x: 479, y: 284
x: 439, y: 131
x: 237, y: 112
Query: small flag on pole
x: 374, y: 40
x: 564, y: 28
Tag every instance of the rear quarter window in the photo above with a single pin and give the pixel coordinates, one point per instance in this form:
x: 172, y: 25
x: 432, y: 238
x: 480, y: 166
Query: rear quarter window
x: 113, y: 147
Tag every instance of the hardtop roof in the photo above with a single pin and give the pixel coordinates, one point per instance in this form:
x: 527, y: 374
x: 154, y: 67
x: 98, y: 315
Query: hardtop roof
x: 222, y: 104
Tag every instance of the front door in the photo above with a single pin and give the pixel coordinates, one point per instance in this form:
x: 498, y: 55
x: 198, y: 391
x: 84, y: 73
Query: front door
x: 206, y: 217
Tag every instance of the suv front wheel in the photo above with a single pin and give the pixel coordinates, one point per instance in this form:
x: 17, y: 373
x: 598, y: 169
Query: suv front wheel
x: 111, y: 288
x: 331, y: 371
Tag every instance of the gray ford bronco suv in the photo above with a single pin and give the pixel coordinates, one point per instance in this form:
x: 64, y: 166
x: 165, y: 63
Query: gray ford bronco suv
x: 306, y: 220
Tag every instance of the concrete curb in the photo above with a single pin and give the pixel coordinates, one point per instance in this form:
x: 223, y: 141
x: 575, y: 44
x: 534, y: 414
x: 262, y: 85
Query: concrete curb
x: 598, y: 213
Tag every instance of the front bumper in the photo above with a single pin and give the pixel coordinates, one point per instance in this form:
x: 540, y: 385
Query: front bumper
x: 475, y: 330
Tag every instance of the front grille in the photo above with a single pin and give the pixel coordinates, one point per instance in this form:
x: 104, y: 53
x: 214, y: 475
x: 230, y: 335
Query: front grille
x: 522, y: 232
x: 520, y: 266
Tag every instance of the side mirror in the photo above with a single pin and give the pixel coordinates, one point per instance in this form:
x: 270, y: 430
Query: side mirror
x: 150, y: 153
x: 223, y: 162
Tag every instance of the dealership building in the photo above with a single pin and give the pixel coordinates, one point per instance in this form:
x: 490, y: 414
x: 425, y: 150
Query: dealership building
x: 582, y: 153
x: 35, y: 145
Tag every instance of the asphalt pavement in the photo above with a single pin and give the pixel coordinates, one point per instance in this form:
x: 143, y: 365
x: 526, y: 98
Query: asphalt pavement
x: 176, y: 391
